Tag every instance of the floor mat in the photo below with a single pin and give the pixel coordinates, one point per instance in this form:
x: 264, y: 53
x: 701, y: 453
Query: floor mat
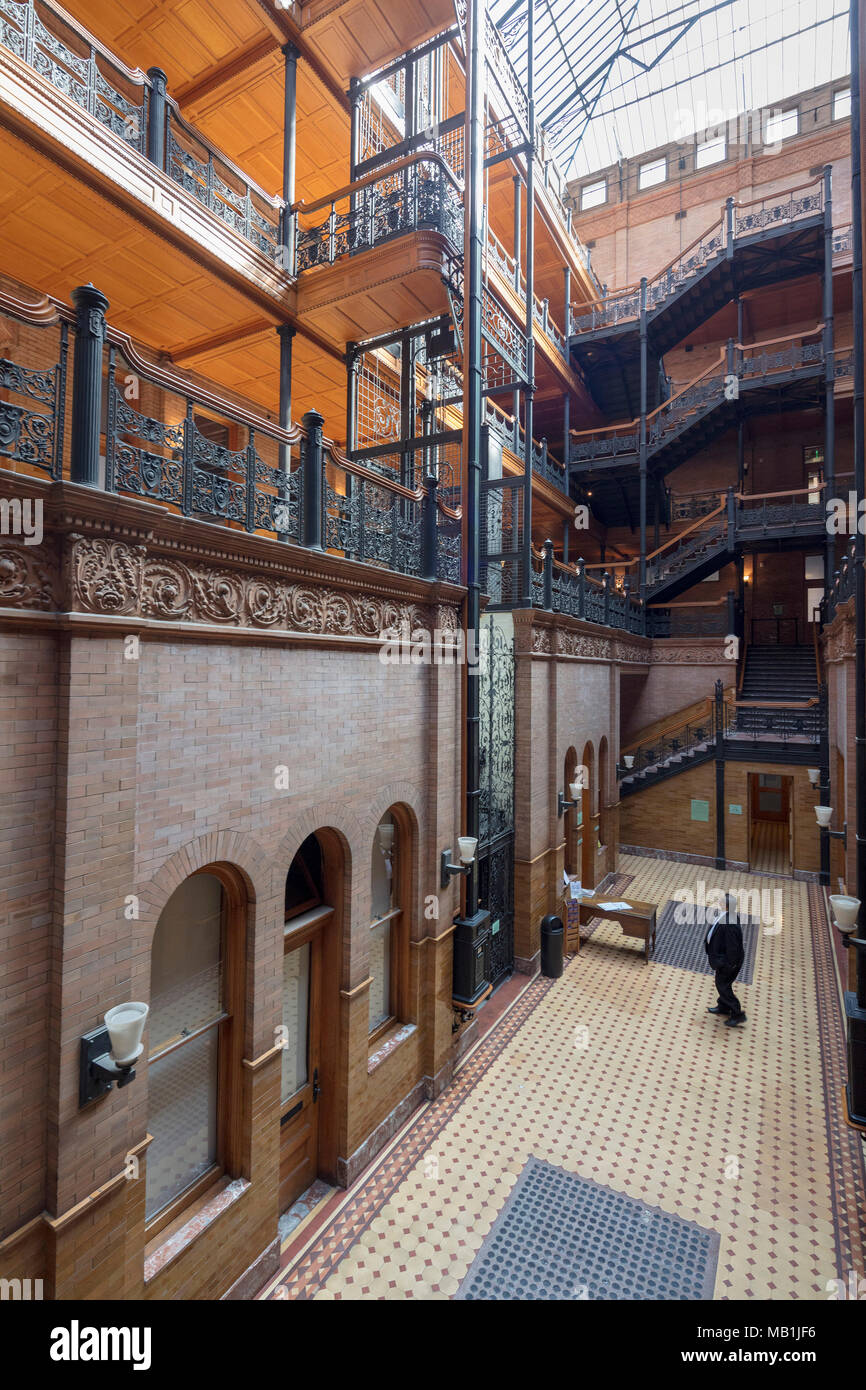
x: 682, y: 943
x: 560, y: 1236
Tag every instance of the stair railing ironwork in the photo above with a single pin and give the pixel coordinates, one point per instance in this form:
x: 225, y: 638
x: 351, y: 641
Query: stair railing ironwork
x: 735, y: 221
x: 135, y: 107
x: 711, y: 388
x: 842, y: 585
x: 669, y: 748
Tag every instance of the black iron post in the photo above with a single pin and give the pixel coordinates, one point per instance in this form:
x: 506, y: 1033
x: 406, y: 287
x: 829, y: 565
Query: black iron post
x: 90, y: 333
x: 286, y: 335
x: 518, y: 230
x: 720, y: 773
x: 156, y: 109
x: 429, y: 566
x: 548, y: 574
x: 290, y: 126
x: 829, y: 379
x: 471, y: 934
x: 313, y: 423
x: 855, y: 1004
x: 643, y: 440
x: 529, y: 332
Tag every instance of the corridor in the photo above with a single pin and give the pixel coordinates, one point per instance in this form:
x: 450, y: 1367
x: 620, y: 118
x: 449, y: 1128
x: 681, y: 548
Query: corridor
x: 688, y: 1160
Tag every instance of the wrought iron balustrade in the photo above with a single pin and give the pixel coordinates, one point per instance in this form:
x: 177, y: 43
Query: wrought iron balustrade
x: 33, y: 404
x: 692, y: 506
x: 418, y: 193
x: 688, y: 620
x: 135, y: 107
x: 174, y: 443
x: 678, y: 558
x: 219, y: 187
x: 565, y: 589
x: 511, y: 434
x: 745, y: 220
x: 775, y: 723
x: 842, y: 586
x: 670, y: 748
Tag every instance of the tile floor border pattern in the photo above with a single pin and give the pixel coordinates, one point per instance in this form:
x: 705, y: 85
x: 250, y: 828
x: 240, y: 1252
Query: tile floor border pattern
x: 845, y: 1161
x: 332, y: 1244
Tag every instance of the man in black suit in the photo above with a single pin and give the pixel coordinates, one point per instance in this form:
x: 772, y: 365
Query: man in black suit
x: 725, y: 951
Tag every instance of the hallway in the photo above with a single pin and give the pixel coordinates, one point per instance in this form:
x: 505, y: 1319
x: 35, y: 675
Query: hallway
x: 728, y: 1147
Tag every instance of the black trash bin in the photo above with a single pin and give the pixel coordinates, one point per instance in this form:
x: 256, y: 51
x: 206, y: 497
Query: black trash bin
x: 552, y: 945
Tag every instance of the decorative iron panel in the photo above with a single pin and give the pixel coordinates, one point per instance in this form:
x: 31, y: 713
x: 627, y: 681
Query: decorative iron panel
x: 496, y: 802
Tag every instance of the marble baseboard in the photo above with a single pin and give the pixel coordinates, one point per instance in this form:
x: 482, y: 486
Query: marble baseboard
x: 256, y: 1274
x: 348, y: 1169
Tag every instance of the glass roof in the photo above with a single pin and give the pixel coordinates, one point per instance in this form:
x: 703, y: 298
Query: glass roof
x: 616, y: 77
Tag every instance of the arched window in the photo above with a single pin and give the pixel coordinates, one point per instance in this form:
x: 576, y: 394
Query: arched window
x: 195, y: 1042
x: 389, y: 924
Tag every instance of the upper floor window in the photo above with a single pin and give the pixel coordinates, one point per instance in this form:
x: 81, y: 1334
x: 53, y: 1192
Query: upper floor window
x: 650, y: 174
x: 592, y: 194
x: 781, y: 125
x: 710, y: 152
x: 842, y: 104
x: 195, y: 1035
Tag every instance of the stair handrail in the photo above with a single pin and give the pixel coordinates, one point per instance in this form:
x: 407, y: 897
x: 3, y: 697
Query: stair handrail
x: 673, y: 540
x: 674, y: 721
x: 378, y: 175
x: 623, y: 291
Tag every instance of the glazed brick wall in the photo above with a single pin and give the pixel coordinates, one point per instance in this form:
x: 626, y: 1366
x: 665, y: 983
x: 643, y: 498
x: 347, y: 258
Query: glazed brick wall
x: 668, y: 687
x: 28, y: 737
x: 164, y: 764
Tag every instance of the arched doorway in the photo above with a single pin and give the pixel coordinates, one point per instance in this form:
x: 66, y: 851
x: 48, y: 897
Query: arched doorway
x: 587, y: 829
x: 310, y: 1013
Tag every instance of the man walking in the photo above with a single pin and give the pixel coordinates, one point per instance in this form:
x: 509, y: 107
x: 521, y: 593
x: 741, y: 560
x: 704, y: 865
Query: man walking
x: 725, y: 952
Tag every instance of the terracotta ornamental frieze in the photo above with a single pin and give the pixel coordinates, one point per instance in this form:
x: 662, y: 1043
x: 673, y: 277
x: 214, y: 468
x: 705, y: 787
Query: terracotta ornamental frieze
x: 114, y: 578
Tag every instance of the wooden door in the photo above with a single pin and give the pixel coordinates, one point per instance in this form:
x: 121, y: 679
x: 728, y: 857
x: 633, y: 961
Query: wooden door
x: 301, y: 1062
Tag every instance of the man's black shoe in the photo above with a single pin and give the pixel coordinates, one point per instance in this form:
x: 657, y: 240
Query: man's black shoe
x: 735, y: 1020
x: 718, y: 1010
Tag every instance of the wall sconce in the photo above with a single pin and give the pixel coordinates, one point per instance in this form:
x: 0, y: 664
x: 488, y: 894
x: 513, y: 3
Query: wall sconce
x: 845, y: 912
x: 466, y: 848
x: 814, y: 775
x: 823, y: 815
x: 108, y: 1053
x: 562, y: 805
x: 626, y: 765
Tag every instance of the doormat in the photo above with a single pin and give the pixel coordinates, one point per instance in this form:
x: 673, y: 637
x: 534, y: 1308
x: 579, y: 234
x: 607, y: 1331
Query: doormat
x: 681, y: 944
x: 563, y: 1237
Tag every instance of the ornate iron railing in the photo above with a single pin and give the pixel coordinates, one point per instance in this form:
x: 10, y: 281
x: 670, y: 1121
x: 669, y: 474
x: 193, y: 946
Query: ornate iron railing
x: 842, y: 587
x: 33, y: 408
x: 624, y: 305
x: 569, y: 589
x: 689, y: 620
x: 774, y: 723
x: 714, y: 387
x: 417, y: 193
x: 669, y: 749
x: 678, y: 560
x: 175, y: 443
x: 134, y: 107
x: 511, y: 434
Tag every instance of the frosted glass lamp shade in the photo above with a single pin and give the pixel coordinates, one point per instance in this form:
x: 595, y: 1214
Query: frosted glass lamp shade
x: 467, y: 847
x: 845, y: 911
x: 824, y: 815
x: 125, y: 1024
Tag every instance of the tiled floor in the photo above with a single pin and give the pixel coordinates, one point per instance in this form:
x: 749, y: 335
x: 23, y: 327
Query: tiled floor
x: 770, y: 850
x: 617, y: 1073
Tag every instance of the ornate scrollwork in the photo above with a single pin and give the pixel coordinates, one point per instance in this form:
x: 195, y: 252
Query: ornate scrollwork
x: 26, y: 580
x: 106, y: 576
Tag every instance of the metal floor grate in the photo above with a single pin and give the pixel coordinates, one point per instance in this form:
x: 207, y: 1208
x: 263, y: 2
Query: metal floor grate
x: 682, y: 943
x: 562, y: 1237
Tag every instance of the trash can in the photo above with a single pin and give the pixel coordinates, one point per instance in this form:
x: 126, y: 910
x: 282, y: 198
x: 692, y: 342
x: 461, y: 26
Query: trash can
x: 552, y: 944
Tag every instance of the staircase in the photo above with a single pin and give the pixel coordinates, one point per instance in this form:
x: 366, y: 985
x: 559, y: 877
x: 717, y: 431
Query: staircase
x: 678, y: 566
x: 779, y: 674
x: 751, y: 245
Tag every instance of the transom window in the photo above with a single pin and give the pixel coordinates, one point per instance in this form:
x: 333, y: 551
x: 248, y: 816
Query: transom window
x: 710, y: 152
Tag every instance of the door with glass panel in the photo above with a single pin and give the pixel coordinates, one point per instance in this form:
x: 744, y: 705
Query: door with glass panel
x: 306, y: 918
